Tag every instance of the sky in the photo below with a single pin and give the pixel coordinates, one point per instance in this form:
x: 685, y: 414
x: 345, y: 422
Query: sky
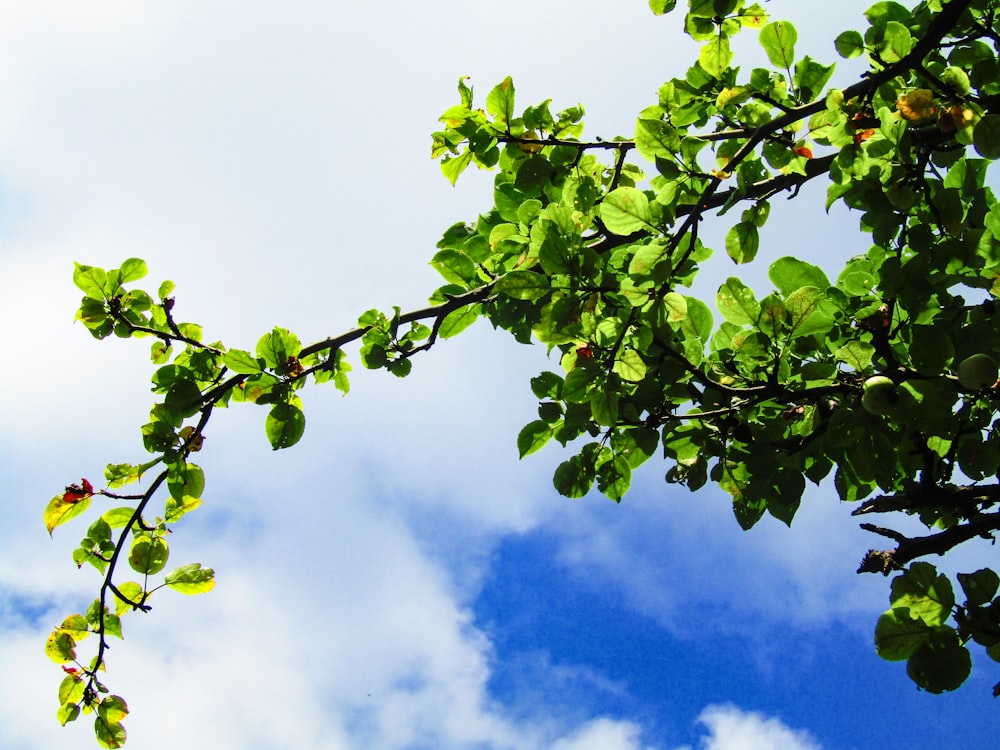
x: 398, y: 579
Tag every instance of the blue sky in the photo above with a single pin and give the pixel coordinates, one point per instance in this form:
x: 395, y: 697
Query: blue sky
x: 399, y: 579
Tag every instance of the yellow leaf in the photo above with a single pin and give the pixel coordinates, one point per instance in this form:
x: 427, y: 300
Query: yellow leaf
x: 917, y: 106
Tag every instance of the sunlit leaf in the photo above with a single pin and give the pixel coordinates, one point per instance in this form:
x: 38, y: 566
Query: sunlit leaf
x: 500, y: 101
x: 778, y: 40
x: 191, y: 579
x: 60, y: 647
x: 285, y: 425
x: 109, y: 734
x: 625, y: 210
x: 456, y: 322
x: 132, y: 269
x: 737, y: 303
x: 148, y: 554
x: 532, y: 437
x: 133, y: 591
x: 526, y: 285
x: 59, y: 510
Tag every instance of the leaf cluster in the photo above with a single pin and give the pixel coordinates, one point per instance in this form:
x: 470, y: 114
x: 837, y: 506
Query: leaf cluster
x: 858, y: 380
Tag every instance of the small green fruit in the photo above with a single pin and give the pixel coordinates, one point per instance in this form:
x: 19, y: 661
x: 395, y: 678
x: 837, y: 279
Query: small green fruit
x: 956, y: 79
x: 977, y: 372
x: 880, y: 396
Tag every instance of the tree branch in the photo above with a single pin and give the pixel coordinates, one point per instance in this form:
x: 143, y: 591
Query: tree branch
x: 457, y: 302
x: 964, y: 499
x: 908, y: 549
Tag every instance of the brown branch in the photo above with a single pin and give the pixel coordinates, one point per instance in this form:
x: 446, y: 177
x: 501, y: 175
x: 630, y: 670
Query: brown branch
x: 907, y: 549
x: 938, y: 28
x: 764, y: 189
x: 966, y: 499
x: 456, y: 302
x: 554, y: 141
x: 108, y: 585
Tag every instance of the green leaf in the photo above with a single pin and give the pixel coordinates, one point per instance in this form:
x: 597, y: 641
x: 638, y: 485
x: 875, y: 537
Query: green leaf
x: 60, y: 647
x: 183, y: 399
x: 858, y: 354
x: 986, y: 137
x: 119, y: 475
x: 241, y: 362
x: 810, y: 77
x: 659, y: 7
x: 465, y: 91
x: 533, y: 436
x: 526, y: 285
x: 604, y: 406
x: 614, y: 477
x: 456, y: 267
x: 897, y: 634
x: 71, y: 689
x: 742, y: 242
x: 500, y: 101
x: 773, y: 316
x: 176, y: 509
x: 809, y: 312
x: 110, y: 734
x: 778, y: 40
x: 458, y: 320
x: 896, y: 42
x: 116, y: 518
x: 577, y: 384
x: 656, y: 139
x: 453, y: 166
x: 285, y: 424
x: 850, y: 44
x: 931, y: 349
x: 547, y: 385
x: 940, y: 663
x: 533, y: 173
x: 979, y: 587
x: 133, y: 591
x: 113, y: 709
x: 789, y: 274
x: 925, y: 594
x: 630, y: 366
x: 715, y: 55
x: 191, y: 579
x: 60, y: 510
x: 185, y: 480
x: 148, y: 554
x: 625, y: 210
x: 857, y: 282
x: 651, y: 261
x: 67, y: 713
x: 90, y: 280
x: 132, y: 269
x: 572, y: 477
x: 737, y: 303
x: 75, y: 626
x: 276, y: 347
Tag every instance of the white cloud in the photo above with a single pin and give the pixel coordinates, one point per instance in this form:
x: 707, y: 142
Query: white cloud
x: 347, y: 638
x: 731, y: 728
x: 275, y: 166
x: 602, y: 734
x: 671, y: 553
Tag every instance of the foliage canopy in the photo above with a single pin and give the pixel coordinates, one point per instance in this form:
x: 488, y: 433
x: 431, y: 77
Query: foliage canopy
x: 881, y: 382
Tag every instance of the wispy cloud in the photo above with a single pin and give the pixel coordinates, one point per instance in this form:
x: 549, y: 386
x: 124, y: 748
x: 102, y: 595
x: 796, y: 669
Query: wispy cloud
x: 732, y: 728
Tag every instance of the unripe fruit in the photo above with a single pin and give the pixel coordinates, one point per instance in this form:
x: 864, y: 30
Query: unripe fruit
x: 977, y: 372
x: 879, y: 395
x: 533, y: 146
x: 956, y: 79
